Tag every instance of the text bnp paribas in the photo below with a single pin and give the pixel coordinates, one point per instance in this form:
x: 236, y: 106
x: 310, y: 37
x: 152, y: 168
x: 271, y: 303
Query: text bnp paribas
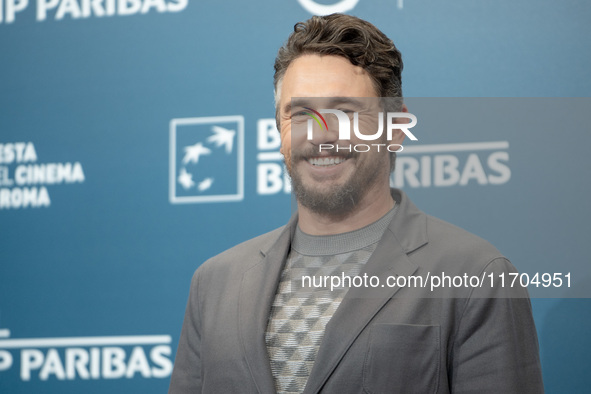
x: 12, y: 10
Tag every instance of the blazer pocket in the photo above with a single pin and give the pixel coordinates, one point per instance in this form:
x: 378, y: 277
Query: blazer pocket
x: 402, y: 358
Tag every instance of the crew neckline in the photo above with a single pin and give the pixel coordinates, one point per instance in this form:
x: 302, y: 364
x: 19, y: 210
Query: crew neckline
x: 326, y: 245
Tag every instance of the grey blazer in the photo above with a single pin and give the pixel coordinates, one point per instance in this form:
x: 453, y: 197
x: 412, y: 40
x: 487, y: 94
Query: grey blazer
x: 382, y: 340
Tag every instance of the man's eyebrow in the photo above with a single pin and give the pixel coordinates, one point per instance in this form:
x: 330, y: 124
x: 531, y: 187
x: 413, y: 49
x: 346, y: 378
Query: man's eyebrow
x: 332, y: 103
x: 298, y: 105
x: 287, y: 108
x: 345, y: 100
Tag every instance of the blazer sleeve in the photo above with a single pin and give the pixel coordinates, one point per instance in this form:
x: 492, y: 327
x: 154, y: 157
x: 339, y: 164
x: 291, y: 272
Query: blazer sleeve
x: 186, y: 375
x: 496, y: 345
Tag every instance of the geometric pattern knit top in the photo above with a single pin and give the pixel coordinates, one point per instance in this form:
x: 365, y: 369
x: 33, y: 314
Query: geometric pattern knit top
x: 299, y: 315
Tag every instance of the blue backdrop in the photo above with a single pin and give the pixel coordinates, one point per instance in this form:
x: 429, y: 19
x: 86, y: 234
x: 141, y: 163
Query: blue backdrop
x: 118, y: 178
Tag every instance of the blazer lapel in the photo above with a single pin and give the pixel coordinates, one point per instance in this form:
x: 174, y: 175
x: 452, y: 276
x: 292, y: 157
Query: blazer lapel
x: 407, y: 232
x: 257, y: 292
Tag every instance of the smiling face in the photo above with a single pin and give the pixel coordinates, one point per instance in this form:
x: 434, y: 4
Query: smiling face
x: 327, y: 181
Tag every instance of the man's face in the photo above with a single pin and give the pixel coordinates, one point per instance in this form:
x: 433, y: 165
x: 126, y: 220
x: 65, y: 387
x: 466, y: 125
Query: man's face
x: 336, y: 185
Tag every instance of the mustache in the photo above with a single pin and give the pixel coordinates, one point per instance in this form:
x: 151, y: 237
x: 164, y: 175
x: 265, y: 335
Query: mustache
x: 314, y: 151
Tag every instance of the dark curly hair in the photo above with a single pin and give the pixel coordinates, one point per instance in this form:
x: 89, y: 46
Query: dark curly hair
x: 350, y: 37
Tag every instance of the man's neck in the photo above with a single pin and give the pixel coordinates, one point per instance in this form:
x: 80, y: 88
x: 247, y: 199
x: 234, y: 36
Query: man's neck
x: 372, y: 207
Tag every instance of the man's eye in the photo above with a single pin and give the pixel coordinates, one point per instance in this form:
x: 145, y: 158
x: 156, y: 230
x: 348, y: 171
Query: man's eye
x: 300, y: 115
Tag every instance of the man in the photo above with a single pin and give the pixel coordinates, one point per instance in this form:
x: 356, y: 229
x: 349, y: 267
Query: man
x: 249, y: 328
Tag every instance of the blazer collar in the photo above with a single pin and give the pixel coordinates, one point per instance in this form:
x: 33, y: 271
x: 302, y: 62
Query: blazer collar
x: 409, y: 225
x: 257, y: 292
x: 407, y: 232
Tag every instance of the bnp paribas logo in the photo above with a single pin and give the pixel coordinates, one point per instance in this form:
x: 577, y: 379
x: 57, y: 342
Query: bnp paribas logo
x: 206, y: 159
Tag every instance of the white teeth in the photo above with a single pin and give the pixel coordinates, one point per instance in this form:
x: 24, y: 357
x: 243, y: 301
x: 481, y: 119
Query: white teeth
x: 327, y: 161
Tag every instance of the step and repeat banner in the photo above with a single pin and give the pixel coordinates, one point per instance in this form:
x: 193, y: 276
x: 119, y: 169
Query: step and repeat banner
x: 137, y: 139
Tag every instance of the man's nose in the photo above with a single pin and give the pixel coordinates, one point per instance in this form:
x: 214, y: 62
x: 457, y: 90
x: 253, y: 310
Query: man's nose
x: 325, y: 133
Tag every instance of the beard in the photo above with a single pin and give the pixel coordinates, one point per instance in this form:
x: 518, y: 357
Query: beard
x: 335, y: 200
